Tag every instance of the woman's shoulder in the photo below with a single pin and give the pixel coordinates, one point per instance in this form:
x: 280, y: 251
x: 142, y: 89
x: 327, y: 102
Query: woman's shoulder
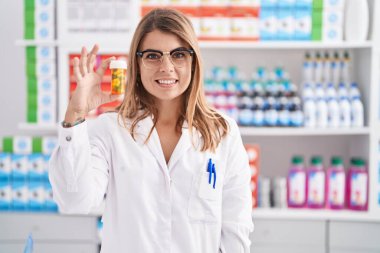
x: 232, y: 125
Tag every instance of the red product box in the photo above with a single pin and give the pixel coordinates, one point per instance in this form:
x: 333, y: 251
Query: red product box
x: 253, y: 151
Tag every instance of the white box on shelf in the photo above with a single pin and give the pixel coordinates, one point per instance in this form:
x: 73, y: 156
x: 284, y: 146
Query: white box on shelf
x: 44, y: 17
x: 5, y: 195
x: 36, y: 195
x: 46, y: 100
x: 44, y: 5
x: 333, y: 4
x: 285, y: 24
x: 188, y: 3
x: 22, y: 145
x: 332, y: 33
x: 35, y: 166
x: 218, y: 3
x: 5, y: 166
x: 155, y: 2
x: 45, y: 68
x: 215, y: 27
x: 302, y: 24
x: 45, y: 53
x: 20, y: 195
x: 47, y: 85
x: 332, y: 17
x: 248, y: 3
x: 44, y: 32
x: 267, y: 24
x: 46, y: 116
x: 19, y: 167
x: 48, y: 144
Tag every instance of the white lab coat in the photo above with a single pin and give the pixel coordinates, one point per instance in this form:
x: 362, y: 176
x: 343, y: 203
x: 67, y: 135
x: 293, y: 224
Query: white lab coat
x: 152, y: 206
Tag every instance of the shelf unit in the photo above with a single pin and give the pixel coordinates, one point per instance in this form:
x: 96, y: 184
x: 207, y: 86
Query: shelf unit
x: 361, y: 141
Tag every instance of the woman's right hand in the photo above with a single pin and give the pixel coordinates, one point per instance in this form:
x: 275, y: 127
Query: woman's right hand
x: 88, y: 94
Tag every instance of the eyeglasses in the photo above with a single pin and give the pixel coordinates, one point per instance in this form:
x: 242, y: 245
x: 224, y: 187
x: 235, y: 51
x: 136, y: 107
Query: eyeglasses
x: 152, y: 59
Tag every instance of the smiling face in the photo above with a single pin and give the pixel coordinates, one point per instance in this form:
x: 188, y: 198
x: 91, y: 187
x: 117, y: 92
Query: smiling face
x: 166, y: 82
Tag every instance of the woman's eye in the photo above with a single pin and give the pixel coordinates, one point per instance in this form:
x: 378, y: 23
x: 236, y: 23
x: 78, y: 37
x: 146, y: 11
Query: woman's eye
x: 153, y: 56
x: 178, y: 55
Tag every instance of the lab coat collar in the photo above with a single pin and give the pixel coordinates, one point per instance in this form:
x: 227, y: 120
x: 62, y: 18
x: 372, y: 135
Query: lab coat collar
x: 154, y: 145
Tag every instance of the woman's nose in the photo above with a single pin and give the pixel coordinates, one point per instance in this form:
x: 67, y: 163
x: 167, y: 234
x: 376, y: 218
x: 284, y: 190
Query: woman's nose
x: 167, y: 64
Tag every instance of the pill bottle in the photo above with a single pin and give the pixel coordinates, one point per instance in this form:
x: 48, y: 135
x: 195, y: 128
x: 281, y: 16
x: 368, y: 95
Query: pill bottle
x: 118, y: 76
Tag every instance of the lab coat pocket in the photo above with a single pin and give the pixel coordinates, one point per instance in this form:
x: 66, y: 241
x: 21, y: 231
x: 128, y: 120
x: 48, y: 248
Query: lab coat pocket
x: 205, y: 202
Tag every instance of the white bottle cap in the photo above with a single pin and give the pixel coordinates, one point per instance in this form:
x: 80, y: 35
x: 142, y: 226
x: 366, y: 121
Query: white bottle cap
x: 118, y: 64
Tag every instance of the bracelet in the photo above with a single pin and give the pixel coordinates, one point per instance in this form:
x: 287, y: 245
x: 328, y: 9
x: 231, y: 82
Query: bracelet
x: 77, y: 122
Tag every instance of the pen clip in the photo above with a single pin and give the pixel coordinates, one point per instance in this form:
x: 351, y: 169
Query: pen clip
x: 213, y: 171
x: 209, y: 170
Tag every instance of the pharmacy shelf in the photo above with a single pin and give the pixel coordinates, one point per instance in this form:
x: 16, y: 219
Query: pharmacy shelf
x: 301, y: 131
x: 312, y: 214
x: 225, y: 44
x: 282, y: 45
x: 31, y: 127
x: 25, y: 43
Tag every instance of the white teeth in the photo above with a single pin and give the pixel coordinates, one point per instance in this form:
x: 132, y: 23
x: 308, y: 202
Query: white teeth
x: 166, y: 81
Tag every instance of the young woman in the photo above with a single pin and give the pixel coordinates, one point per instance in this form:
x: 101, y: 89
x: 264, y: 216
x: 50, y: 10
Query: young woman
x: 174, y: 171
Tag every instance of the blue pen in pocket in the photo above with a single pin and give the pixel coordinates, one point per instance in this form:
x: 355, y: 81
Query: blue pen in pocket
x: 209, y: 170
x: 213, y: 171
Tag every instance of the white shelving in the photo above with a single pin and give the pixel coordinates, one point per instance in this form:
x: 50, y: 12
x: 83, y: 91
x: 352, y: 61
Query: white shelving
x: 312, y: 214
x: 30, y: 127
x: 283, y: 45
x: 292, y: 131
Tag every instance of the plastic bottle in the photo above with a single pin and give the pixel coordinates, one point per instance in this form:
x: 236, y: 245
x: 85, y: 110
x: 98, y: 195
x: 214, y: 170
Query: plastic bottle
x: 335, y: 184
x: 346, y: 68
x: 321, y: 105
x: 318, y: 68
x: 307, y: 71
x: 335, y: 69
x: 309, y: 107
x: 316, y: 183
x: 357, y: 185
x: 118, y: 76
x: 296, y: 113
x: 296, y: 183
x: 354, y: 91
x: 332, y: 107
x: 270, y: 113
x: 342, y: 90
x: 357, y: 112
x: 283, y: 112
x: 258, y: 111
x: 326, y: 67
x: 344, y: 112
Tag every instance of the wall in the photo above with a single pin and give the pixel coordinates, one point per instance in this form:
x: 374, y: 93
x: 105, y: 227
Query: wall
x: 12, y: 67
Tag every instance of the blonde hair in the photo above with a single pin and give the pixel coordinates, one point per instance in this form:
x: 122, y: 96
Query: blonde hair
x: 195, y: 110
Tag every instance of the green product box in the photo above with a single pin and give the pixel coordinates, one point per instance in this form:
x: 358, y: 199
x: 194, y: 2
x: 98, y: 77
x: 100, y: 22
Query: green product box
x: 29, y: 32
x: 316, y: 33
x: 31, y: 116
x: 31, y: 68
x: 8, y: 144
x: 31, y: 53
x: 29, y: 4
x: 29, y: 18
x: 317, y: 17
x: 37, y: 145
x: 32, y: 101
x: 32, y: 86
x: 318, y: 4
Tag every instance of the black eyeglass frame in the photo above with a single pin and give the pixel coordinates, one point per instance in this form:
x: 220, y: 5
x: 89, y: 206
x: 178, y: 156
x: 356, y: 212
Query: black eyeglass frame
x: 179, y: 49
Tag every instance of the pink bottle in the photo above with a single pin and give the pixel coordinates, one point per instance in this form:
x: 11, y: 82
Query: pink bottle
x: 296, y: 183
x: 316, y: 184
x: 357, y: 185
x: 336, y: 184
